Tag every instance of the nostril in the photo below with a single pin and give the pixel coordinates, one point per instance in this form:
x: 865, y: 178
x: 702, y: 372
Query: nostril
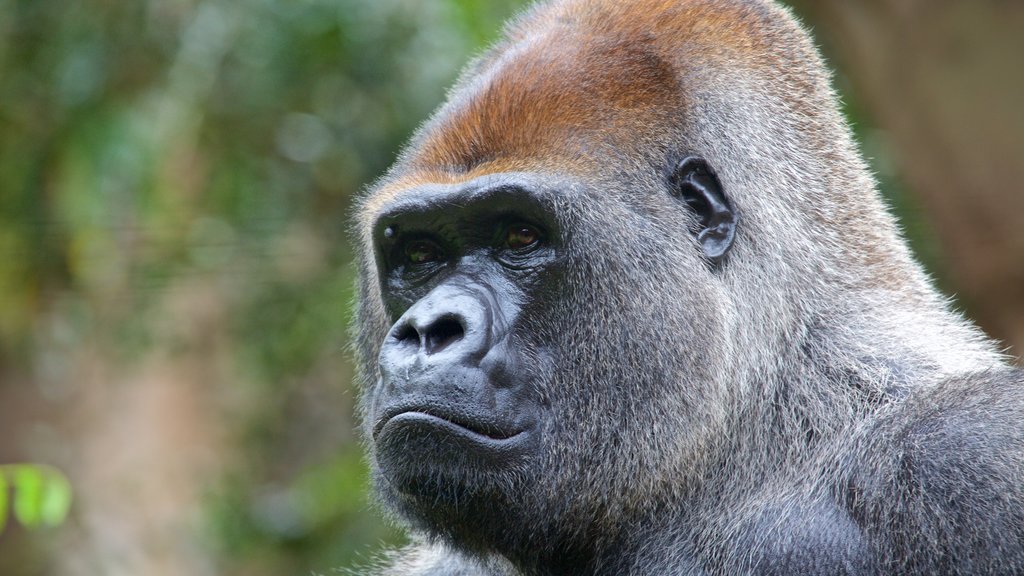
x: 443, y: 333
x: 408, y: 335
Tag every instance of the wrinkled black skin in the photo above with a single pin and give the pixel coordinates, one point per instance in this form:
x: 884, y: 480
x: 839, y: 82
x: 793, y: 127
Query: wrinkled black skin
x: 459, y: 405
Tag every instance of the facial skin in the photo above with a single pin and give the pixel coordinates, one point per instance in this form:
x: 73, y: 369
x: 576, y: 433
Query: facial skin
x: 459, y: 267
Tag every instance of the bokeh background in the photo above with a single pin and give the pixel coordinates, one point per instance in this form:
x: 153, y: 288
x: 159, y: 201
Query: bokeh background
x: 176, y: 280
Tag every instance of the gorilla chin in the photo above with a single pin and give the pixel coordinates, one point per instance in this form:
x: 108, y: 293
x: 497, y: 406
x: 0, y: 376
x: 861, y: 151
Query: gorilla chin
x: 444, y: 462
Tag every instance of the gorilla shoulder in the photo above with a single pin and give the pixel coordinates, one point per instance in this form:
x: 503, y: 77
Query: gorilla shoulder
x: 937, y: 472
x: 944, y: 472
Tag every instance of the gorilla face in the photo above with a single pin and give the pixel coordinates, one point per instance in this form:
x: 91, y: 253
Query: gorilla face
x: 459, y: 412
x: 534, y: 373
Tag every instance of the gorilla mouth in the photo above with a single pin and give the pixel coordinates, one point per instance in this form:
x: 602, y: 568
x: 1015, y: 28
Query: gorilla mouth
x: 458, y: 423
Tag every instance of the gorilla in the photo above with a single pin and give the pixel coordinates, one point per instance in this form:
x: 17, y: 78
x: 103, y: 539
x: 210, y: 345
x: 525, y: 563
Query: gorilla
x: 631, y: 304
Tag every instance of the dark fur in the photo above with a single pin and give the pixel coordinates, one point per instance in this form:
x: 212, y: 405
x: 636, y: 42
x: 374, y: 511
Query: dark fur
x: 811, y: 407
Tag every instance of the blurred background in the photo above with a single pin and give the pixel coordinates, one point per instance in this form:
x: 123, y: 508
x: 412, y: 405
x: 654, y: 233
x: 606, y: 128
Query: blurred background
x: 176, y: 281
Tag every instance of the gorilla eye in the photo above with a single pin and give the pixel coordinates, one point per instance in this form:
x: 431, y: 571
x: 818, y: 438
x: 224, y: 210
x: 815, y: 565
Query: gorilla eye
x: 521, y: 236
x: 422, y: 252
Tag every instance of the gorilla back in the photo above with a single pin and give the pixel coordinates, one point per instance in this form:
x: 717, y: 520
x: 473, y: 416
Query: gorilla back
x: 630, y: 304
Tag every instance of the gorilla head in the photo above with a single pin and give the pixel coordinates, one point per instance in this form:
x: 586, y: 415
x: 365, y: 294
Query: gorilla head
x: 629, y: 275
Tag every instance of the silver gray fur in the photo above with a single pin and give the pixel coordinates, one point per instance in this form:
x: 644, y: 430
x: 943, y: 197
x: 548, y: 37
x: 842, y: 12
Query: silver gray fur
x: 818, y: 374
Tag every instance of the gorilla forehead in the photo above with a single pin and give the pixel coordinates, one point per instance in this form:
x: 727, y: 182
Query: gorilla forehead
x: 573, y: 85
x: 545, y: 98
x: 585, y: 73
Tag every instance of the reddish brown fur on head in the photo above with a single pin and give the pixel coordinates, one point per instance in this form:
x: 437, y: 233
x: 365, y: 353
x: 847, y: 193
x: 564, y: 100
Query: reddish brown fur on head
x: 559, y: 94
x: 575, y: 81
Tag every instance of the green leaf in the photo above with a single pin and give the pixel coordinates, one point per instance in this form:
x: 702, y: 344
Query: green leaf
x: 4, y: 491
x: 56, y: 500
x: 42, y: 495
x: 28, y: 495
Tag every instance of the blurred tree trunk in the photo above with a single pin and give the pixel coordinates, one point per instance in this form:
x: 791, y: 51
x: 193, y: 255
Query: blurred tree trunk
x: 945, y: 79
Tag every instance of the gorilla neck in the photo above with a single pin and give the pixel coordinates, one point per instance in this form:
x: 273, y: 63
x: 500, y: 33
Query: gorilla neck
x: 599, y: 553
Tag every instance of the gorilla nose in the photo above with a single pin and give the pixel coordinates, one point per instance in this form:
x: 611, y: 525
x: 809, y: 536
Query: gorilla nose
x: 433, y: 338
x: 448, y: 327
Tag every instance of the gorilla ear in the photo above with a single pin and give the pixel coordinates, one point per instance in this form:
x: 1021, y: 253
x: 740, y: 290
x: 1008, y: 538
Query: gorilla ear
x: 694, y: 182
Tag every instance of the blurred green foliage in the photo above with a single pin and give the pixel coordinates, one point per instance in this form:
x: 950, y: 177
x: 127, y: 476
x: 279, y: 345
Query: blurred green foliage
x: 145, y: 141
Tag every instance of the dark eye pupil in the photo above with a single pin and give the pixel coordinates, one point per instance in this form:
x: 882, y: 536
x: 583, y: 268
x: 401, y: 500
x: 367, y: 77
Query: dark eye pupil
x: 521, y: 236
x: 420, y: 252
